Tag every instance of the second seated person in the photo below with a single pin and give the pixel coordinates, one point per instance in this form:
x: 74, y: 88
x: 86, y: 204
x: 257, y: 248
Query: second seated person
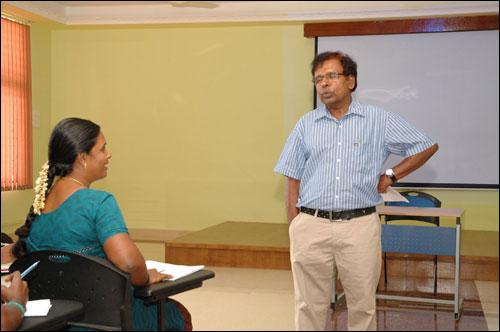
x: 68, y: 215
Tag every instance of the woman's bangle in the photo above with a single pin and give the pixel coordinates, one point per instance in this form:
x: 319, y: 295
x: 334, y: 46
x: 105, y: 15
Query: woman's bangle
x: 19, y: 306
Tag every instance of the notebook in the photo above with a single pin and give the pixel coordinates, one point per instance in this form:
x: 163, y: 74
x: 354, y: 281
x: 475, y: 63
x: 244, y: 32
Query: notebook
x: 176, y: 271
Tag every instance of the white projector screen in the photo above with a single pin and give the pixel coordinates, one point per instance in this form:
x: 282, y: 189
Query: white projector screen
x: 446, y: 84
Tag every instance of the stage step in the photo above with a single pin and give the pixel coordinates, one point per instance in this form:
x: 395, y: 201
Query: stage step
x: 234, y: 244
x: 266, y: 245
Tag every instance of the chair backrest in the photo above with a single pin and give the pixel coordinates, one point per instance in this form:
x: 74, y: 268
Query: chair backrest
x: 416, y: 199
x: 104, y: 290
x: 6, y: 238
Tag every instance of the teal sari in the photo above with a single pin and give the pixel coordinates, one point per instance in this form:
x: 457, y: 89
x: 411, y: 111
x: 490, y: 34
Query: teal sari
x: 82, y: 223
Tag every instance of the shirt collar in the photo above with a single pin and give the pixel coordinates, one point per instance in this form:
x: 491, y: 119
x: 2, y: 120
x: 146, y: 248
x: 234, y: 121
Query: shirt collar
x: 354, y: 108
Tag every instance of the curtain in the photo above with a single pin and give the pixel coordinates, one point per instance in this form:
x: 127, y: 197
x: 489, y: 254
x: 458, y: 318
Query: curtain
x: 16, y: 106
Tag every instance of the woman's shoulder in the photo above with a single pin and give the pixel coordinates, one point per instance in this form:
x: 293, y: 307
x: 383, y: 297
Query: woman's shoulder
x: 91, y: 201
x: 89, y: 192
x: 94, y: 195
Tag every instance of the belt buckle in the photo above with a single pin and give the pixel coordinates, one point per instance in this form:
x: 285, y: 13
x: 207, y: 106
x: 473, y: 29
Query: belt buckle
x: 330, y: 214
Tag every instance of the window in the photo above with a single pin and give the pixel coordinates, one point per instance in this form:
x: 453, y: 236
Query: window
x: 16, y: 106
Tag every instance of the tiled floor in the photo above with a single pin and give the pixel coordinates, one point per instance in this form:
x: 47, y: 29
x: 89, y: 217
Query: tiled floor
x: 488, y: 293
x: 242, y: 299
x: 257, y: 299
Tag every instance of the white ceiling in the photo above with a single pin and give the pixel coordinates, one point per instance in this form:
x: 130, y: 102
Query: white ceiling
x: 155, y: 12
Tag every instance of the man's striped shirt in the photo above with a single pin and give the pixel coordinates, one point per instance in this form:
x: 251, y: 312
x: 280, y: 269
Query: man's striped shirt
x: 339, y: 163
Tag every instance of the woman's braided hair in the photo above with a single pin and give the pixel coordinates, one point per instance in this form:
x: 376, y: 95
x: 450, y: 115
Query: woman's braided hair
x: 69, y: 138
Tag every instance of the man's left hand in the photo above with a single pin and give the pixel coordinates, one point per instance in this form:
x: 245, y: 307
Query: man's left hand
x: 383, y: 183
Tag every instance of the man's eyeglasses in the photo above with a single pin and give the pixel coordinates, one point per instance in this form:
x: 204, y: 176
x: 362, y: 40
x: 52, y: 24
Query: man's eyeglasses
x: 331, y: 76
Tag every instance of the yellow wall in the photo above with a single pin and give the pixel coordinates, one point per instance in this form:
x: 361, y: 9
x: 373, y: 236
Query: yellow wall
x: 196, y: 117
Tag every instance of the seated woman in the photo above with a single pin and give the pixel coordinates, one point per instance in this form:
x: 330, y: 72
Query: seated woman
x: 68, y: 215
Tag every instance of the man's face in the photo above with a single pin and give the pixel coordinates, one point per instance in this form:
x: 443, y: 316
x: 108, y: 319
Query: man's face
x: 333, y: 89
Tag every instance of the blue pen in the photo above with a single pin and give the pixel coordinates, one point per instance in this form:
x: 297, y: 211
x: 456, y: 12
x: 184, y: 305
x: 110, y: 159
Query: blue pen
x: 29, y: 269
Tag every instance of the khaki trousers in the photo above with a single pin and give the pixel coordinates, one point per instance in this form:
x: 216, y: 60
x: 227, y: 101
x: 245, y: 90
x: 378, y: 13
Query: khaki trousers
x: 354, y: 247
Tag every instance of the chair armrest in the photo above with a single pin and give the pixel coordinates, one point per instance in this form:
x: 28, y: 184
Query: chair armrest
x: 165, y: 289
x: 60, y: 313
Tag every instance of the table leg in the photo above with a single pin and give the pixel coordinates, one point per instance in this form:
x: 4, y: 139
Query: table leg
x: 457, y: 272
x: 159, y: 307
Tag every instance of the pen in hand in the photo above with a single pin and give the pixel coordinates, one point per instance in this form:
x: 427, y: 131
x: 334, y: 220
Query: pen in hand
x: 6, y: 283
x: 29, y: 269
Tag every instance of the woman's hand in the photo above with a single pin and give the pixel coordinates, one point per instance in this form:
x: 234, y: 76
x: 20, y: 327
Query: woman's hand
x: 156, y: 277
x: 18, y: 290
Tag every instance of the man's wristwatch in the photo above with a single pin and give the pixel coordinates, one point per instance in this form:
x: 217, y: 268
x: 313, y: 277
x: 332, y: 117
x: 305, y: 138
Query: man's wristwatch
x: 390, y: 174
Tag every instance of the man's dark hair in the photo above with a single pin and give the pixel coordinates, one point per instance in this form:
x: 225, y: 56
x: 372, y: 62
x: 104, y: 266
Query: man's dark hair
x: 349, y: 66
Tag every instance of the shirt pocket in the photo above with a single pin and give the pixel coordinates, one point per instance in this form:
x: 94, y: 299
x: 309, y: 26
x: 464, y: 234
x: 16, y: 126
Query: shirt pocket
x: 359, y: 154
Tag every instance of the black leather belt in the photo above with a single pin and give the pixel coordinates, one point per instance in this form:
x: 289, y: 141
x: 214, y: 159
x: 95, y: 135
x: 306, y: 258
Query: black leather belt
x: 339, y: 215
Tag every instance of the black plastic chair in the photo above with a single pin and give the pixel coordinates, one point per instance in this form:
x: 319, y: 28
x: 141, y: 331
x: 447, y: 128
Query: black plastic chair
x: 103, y: 289
x: 6, y: 238
x: 416, y: 199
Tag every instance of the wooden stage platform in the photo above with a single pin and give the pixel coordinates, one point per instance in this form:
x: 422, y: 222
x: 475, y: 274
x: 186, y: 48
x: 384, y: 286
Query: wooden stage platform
x: 235, y: 244
x: 266, y: 245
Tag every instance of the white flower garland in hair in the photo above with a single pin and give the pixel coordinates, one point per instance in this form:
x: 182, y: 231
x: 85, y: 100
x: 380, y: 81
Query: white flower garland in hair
x: 40, y: 188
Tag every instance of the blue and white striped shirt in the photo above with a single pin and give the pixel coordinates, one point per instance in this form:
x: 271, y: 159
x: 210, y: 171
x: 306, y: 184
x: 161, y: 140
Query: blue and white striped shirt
x: 339, y: 163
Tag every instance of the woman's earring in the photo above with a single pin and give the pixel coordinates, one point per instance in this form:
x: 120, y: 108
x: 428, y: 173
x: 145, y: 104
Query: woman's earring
x: 85, y: 165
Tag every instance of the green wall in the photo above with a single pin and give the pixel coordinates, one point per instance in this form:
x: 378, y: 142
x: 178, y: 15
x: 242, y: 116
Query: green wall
x: 195, y: 116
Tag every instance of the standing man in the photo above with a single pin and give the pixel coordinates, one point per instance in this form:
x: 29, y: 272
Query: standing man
x: 333, y: 160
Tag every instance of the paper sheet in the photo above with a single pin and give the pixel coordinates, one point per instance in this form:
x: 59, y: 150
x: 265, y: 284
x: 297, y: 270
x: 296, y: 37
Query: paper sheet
x: 37, y: 308
x: 176, y: 271
x: 392, y: 195
x: 5, y: 268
